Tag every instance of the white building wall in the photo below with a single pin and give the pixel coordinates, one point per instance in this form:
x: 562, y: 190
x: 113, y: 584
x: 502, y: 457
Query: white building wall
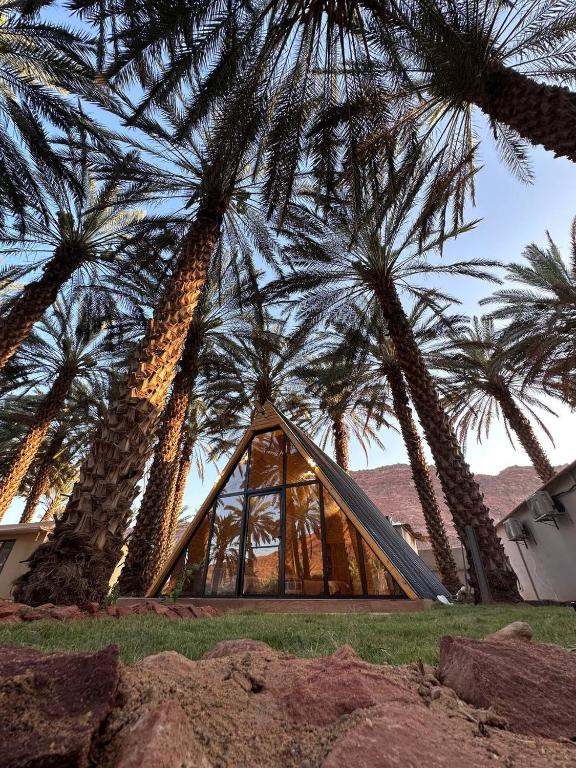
x: 546, y: 566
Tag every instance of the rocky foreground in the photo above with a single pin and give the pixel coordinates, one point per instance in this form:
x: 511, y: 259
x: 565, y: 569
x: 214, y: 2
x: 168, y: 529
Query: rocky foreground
x: 499, y: 701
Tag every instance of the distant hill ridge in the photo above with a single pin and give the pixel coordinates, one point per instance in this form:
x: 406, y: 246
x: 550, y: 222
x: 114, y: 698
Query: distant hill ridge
x: 392, y: 490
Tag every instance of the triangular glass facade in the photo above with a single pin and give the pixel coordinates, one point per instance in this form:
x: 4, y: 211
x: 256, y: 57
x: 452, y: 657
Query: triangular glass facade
x: 275, y: 531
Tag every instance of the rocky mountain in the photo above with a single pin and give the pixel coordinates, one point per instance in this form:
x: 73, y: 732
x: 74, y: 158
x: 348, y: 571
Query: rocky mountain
x: 392, y: 490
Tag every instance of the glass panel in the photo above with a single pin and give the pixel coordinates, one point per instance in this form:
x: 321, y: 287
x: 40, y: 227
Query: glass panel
x: 344, y: 576
x: 223, y: 558
x: 237, y: 480
x: 262, y: 558
x: 297, y: 469
x: 266, y: 460
x: 5, y: 549
x: 379, y: 580
x: 187, y: 575
x: 304, y: 569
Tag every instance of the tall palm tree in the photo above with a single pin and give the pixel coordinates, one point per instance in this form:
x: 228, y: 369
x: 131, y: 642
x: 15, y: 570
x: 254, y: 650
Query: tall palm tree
x: 86, y: 225
x: 213, y: 318
x: 345, y: 73
x: 69, y: 349
x: 373, y: 264
x: 539, y: 313
x: 369, y: 340
x: 91, y: 532
x: 41, y: 64
x: 343, y: 400
x: 481, y: 380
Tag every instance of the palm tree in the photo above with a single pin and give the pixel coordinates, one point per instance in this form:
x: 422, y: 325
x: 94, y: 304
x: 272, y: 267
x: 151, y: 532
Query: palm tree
x: 69, y: 349
x: 539, y: 312
x: 482, y: 380
x: 41, y: 64
x: 213, y: 318
x: 372, y: 264
x: 88, y: 538
x: 343, y: 400
x: 348, y: 74
x: 369, y: 340
x: 85, y: 225
x: 501, y: 58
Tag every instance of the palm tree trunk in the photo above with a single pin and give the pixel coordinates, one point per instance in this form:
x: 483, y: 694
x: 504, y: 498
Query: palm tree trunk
x: 340, y: 434
x: 152, y: 530
x: 461, y: 490
x: 181, y: 478
x: 49, y: 409
x: 421, y: 476
x: 522, y: 427
x: 76, y: 564
x: 42, y: 480
x: 36, y: 297
x: 540, y: 113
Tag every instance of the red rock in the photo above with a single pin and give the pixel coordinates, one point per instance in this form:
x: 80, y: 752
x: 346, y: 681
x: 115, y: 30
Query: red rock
x: 532, y: 686
x: 232, y: 647
x: 65, y: 613
x: 124, y: 610
x: 160, y: 610
x: 91, y: 608
x: 333, y: 686
x: 168, y: 662
x: 182, y: 611
x: 8, y: 608
x: 516, y: 631
x: 111, y: 610
x: 162, y: 738
x: 392, y: 488
x: 51, y: 705
x: 404, y: 736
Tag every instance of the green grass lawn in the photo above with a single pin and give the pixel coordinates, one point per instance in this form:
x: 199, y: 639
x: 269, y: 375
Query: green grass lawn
x: 396, y: 638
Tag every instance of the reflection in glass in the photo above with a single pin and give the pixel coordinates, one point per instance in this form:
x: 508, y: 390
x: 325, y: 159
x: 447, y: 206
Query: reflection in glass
x: 379, y: 581
x: 196, y: 559
x: 297, y: 468
x: 304, y: 568
x: 266, y: 460
x: 224, y: 546
x: 341, y: 551
x: 262, y: 545
x: 237, y: 480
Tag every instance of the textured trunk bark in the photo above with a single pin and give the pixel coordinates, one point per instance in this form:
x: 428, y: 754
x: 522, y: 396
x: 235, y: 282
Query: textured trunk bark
x: 461, y: 490
x: 421, y: 476
x: 541, y: 114
x: 340, y: 434
x: 152, y: 530
x: 49, y: 409
x: 528, y: 439
x: 76, y: 564
x: 42, y: 480
x: 36, y: 298
x: 183, y: 471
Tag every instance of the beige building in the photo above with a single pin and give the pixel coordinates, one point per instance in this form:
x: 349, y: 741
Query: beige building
x: 17, y: 543
x: 539, y: 537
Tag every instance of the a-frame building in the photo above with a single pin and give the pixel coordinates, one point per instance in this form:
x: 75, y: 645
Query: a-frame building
x: 284, y: 520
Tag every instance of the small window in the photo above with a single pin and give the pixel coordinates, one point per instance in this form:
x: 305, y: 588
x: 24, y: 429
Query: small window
x: 5, y: 549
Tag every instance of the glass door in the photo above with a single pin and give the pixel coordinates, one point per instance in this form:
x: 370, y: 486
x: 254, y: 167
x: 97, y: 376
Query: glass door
x: 262, y: 545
